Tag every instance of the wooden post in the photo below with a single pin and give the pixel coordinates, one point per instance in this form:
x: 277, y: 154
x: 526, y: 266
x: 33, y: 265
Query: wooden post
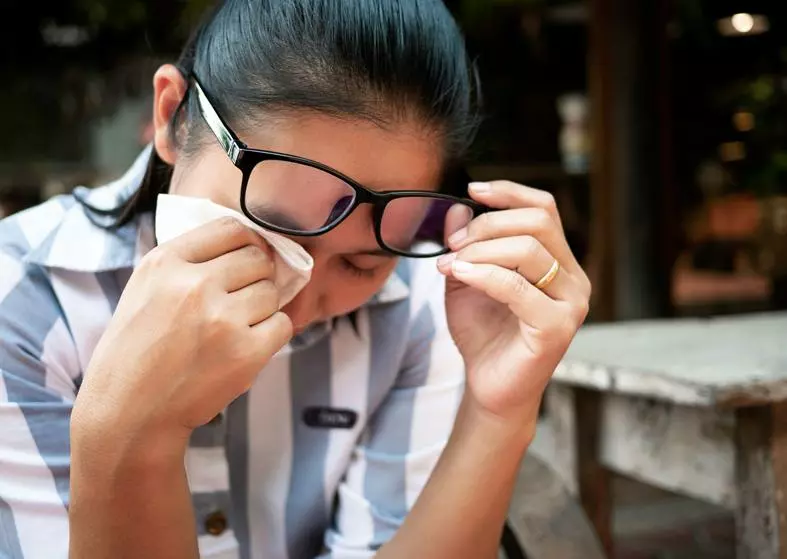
x: 630, y: 259
x: 595, y: 487
x: 601, y: 257
x: 761, y: 475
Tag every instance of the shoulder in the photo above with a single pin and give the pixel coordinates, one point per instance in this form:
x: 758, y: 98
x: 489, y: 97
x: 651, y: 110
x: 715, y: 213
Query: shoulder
x: 35, y: 343
x: 64, y: 234
x: 62, y: 274
x: 73, y: 232
x: 25, y: 233
x: 24, y: 236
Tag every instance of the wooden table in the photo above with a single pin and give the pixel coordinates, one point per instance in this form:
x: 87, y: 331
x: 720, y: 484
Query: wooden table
x: 695, y: 406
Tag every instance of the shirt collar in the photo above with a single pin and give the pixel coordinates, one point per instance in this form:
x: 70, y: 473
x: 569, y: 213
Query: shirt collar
x: 81, y: 244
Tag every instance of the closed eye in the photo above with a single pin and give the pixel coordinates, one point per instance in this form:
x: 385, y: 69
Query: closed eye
x: 358, y: 271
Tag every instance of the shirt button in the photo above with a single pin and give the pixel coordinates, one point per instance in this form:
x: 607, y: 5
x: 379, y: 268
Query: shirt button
x: 215, y: 523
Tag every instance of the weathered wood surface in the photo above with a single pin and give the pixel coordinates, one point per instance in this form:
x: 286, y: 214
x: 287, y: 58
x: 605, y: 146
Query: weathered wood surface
x: 546, y: 519
x: 678, y: 448
x: 760, y: 438
x: 733, y: 458
x: 779, y: 467
x: 726, y: 362
x: 683, y: 449
x: 593, y: 478
x: 556, y: 437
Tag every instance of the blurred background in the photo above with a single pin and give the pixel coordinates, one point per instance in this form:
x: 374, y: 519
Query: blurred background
x: 659, y: 125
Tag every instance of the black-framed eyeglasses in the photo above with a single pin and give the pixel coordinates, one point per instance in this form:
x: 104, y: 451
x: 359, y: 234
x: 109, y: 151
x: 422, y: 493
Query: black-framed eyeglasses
x: 300, y: 197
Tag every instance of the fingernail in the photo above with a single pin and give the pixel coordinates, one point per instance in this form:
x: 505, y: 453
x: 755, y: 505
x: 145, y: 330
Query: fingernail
x: 462, y: 267
x: 480, y: 187
x: 458, y: 237
x: 446, y: 259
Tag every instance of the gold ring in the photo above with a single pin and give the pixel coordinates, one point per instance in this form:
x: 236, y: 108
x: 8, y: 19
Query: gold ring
x: 549, y: 277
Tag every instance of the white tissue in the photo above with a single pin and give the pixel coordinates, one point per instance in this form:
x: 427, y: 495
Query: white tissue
x: 176, y: 215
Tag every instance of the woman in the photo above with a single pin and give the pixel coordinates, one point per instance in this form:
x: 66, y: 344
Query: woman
x: 393, y: 422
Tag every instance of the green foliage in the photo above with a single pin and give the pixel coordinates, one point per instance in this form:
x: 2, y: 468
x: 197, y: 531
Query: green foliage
x: 471, y: 10
x: 764, y: 171
x: 114, y: 14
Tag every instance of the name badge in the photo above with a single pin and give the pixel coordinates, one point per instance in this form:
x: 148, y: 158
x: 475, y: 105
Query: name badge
x: 329, y: 418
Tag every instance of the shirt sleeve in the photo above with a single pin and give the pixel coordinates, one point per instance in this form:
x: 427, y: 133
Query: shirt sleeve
x: 404, y: 438
x: 38, y: 375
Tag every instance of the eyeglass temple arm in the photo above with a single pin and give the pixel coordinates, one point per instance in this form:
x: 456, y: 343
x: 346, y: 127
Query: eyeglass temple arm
x: 229, y: 142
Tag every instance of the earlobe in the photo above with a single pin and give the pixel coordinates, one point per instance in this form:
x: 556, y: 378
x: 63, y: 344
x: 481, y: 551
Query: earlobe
x: 169, y: 88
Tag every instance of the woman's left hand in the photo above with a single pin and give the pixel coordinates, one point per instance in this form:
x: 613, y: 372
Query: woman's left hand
x: 511, y: 334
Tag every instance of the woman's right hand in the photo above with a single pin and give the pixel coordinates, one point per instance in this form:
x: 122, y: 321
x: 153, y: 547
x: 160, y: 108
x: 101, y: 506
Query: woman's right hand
x: 196, y: 323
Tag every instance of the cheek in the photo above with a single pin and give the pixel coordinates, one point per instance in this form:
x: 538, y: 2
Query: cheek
x: 345, y: 293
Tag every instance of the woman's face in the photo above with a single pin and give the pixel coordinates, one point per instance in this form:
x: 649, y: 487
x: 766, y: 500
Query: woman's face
x: 348, y: 268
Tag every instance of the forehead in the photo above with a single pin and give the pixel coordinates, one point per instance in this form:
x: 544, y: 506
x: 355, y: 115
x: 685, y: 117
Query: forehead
x: 402, y: 155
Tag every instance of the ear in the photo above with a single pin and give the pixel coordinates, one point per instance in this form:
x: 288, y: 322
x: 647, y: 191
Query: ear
x: 169, y: 88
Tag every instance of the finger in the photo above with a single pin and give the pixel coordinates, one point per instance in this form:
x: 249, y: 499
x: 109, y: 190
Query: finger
x: 254, y: 303
x: 506, y: 194
x: 272, y: 334
x: 213, y: 239
x: 533, y: 222
x: 457, y: 217
x: 262, y: 343
x: 524, y: 255
x: 243, y: 266
x: 529, y: 304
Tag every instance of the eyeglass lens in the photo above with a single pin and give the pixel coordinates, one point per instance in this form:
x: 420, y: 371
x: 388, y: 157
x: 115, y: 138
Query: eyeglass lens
x: 305, y: 199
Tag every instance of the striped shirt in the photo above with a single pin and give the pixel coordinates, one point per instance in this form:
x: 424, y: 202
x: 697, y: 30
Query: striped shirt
x: 322, y: 457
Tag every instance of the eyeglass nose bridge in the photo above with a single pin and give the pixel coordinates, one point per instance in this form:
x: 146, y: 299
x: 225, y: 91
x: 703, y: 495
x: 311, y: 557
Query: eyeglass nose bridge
x: 378, y: 202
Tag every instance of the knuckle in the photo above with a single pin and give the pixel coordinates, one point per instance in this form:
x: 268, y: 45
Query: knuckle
x: 157, y: 258
x: 563, y: 328
x: 285, y: 325
x: 229, y: 224
x: 190, y: 287
x: 587, y: 286
x: 530, y: 247
x: 513, y: 283
x: 270, y: 293
x: 581, y: 310
x: 217, y: 324
x: 257, y: 253
x: 233, y: 228
x: 548, y: 201
x: 542, y: 221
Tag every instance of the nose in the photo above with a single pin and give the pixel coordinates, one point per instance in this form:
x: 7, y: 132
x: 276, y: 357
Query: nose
x: 312, y: 303
x: 304, y: 309
x: 308, y: 306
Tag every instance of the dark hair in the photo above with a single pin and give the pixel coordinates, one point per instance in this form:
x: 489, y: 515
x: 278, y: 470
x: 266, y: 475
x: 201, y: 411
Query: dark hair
x: 380, y: 60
